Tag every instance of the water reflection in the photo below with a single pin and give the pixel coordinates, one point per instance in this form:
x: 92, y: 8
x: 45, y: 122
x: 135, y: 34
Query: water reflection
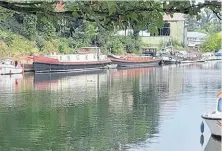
x: 213, y: 144
x: 84, y: 112
x: 130, y: 109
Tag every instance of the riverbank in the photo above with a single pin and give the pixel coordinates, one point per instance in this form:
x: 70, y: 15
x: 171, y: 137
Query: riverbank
x: 17, y: 46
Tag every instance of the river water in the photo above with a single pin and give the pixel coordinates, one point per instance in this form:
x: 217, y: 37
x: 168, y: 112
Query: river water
x: 146, y: 109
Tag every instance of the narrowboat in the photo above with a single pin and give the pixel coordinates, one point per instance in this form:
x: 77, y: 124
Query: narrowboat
x: 135, y: 61
x: 214, y: 119
x: 27, y: 63
x: 86, y: 59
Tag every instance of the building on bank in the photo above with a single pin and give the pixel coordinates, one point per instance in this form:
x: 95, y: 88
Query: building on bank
x: 195, y: 39
x: 173, y: 31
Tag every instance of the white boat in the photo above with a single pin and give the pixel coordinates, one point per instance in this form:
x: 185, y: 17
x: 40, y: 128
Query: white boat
x: 201, y: 60
x: 169, y: 60
x: 188, y: 61
x: 9, y: 67
x: 111, y: 66
x: 211, y: 56
x: 214, y: 119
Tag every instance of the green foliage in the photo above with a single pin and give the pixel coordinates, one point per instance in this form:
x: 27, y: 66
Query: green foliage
x: 132, y: 45
x: 30, y: 22
x: 82, y: 25
x: 64, y: 46
x: 119, y: 44
x: 46, y: 28
x: 3, y: 48
x: 112, y: 14
x: 15, y: 45
x: 207, y: 23
x: 177, y: 45
x: 51, y: 46
x: 212, y: 43
x: 40, y: 43
x: 115, y: 45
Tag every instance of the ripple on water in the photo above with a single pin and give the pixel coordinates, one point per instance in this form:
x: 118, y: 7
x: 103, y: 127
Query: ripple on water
x: 132, y: 109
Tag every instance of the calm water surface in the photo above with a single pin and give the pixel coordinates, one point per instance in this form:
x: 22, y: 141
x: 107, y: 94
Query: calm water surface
x: 147, y: 109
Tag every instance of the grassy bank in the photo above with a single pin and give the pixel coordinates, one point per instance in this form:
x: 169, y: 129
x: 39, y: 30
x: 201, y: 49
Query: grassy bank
x: 15, y: 45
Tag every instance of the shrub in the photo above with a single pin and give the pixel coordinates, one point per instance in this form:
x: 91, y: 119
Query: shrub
x: 212, y: 43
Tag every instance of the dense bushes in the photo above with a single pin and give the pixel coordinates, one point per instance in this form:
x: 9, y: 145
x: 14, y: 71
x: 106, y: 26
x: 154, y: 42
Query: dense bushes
x: 212, y: 43
x: 22, y: 34
x: 15, y: 45
x: 121, y: 44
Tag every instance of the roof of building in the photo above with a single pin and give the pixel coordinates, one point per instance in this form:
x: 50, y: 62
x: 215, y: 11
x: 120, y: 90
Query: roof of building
x: 196, y: 35
x: 176, y: 17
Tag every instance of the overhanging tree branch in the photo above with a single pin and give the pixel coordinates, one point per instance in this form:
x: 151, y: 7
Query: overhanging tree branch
x: 33, y: 9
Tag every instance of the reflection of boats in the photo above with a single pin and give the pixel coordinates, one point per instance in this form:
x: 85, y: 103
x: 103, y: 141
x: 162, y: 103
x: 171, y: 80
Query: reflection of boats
x: 135, y: 61
x: 10, y: 81
x: 9, y: 66
x: 130, y: 73
x: 79, y: 62
x: 214, y: 144
x: 214, y: 119
x: 78, y: 89
x: 111, y: 66
x: 47, y: 77
x: 188, y: 61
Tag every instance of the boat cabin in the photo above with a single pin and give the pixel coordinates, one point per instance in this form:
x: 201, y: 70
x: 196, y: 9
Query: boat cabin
x: 9, y: 62
x: 83, y: 54
x: 149, y: 51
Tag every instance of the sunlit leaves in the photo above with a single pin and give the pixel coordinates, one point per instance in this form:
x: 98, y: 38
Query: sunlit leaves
x: 212, y: 43
x: 111, y: 7
x: 30, y: 22
x: 75, y: 14
x: 122, y: 14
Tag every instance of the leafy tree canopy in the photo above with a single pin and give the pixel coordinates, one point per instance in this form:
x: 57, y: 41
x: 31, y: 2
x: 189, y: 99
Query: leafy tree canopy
x: 113, y: 14
x: 208, y: 23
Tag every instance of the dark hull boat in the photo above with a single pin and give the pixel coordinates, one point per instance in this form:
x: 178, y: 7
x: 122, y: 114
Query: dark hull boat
x: 46, y: 64
x: 136, y: 62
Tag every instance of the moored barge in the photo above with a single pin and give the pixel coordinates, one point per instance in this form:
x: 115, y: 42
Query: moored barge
x: 79, y: 62
x: 135, y: 61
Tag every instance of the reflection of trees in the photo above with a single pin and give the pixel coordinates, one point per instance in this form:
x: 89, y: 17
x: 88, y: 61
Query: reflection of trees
x: 40, y: 124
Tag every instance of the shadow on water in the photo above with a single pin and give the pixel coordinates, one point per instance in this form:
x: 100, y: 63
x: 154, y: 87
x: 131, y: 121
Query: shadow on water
x: 103, y: 111
x: 213, y: 144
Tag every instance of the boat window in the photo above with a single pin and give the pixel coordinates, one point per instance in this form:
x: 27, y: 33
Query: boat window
x: 220, y: 105
x: 16, y: 63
